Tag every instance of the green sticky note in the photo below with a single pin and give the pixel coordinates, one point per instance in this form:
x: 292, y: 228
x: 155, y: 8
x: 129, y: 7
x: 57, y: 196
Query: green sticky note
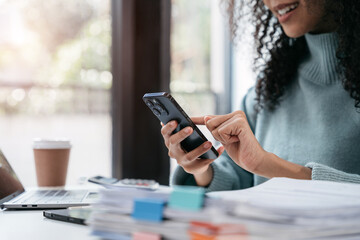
x: 187, y: 198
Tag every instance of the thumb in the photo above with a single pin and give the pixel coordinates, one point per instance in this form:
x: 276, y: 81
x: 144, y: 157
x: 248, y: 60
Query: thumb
x: 207, y: 118
x: 220, y: 150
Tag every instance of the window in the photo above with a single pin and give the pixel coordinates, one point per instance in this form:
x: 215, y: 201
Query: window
x: 190, y: 56
x: 200, y: 54
x: 243, y: 74
x: 55, y: 81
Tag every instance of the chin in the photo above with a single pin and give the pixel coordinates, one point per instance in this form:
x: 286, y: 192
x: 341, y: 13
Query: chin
x: 293, y: 33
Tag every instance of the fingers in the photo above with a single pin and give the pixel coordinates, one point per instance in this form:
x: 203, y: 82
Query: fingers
x: 175, y: 149
x: 227, y: 128
x: 229, y: 131
x: 207, y: 118
x: 201, y: 120
x: 215, y: 121
x: 180, y: 136
x: 220, y: 150
x: 190, y: 161
x: 167, y: 130
x: 198, y: 120
x: 203, y: 148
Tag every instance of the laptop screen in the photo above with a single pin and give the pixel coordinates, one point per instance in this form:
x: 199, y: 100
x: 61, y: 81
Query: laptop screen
x: 10, y: 186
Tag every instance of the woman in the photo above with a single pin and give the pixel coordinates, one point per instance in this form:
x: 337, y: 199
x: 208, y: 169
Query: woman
x: 302, y: 118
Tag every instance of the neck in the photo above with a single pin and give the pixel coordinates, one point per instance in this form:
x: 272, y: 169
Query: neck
x: 321, y: 65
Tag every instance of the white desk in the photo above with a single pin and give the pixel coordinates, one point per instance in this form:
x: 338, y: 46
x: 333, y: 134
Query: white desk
x: 30, y: 224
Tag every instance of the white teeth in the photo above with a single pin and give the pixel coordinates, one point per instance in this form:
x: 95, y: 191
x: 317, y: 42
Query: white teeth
x: 287, y: 9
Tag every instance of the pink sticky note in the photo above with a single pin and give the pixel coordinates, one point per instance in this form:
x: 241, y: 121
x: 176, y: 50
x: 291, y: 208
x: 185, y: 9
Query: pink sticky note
x: 145, y: 236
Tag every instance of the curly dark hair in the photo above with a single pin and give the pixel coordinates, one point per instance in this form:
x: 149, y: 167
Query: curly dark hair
x: 278, y: 55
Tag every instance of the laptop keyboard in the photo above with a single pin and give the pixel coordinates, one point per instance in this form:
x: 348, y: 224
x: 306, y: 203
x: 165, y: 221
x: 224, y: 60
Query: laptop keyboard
x: 53, y: 196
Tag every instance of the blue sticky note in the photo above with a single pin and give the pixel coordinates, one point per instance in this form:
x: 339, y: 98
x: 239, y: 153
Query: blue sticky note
x: 187, y: 198
x: 148, y: 209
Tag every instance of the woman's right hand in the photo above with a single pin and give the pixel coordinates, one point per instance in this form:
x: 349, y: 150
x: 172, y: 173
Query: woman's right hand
x: 189, y: 161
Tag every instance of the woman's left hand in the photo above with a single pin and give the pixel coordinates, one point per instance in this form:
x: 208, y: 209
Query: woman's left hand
x: 234, y: 133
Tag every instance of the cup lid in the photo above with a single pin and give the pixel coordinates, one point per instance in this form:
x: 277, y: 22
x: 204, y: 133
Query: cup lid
x: 41, y: 143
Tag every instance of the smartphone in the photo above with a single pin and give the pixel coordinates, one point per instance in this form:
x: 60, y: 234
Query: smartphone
x: 166, y: 109
x: 72, y: 215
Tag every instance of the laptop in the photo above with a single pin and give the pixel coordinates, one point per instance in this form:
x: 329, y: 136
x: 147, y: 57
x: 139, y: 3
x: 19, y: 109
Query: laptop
x: 14, y: 196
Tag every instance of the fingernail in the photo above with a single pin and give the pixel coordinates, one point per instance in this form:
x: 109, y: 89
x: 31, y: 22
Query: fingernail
x: 206, y: 119
x: 172, y: 123
x: 207, y: 145
x: 187, y: 130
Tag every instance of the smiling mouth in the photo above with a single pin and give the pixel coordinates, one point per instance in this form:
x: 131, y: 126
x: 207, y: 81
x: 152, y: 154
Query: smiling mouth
x: 284, y: 9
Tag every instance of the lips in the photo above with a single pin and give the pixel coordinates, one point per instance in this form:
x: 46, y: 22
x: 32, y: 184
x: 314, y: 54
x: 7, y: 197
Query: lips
x: 284, y: 11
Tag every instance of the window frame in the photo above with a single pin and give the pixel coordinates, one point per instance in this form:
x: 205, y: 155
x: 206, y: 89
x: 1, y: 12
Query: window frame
x: 140, y: 64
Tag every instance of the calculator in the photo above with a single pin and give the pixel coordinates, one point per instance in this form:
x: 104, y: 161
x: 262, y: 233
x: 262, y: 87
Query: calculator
x: 126, y: 182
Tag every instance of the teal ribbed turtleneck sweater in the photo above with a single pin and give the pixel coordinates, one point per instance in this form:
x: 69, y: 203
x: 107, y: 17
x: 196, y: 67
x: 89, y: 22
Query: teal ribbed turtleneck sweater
x: 316, y: 125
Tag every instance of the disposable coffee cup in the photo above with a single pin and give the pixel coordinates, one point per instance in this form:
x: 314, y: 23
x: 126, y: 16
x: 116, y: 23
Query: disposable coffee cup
x: 51, y: 161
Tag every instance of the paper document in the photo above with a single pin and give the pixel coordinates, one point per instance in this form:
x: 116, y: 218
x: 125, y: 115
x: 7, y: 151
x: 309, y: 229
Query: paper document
x: 280, y: 208
x: 296, y: 194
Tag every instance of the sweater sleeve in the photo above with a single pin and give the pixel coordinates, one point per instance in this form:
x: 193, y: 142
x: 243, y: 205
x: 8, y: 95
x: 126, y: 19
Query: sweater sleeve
x: 227, y: 175
x: 322, y: 172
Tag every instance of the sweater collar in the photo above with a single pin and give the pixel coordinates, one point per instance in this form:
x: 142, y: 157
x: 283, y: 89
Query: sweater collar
x: 321, y: 65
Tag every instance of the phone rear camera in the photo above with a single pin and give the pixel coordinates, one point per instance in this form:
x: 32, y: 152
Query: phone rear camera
x: 149, y: 103
x: 156, y: 112
x: 161, y: 109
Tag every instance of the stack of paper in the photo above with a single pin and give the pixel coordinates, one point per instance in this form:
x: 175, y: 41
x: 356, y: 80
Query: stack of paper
x: 297, y: 209
x: 113, y: 217
x: 281, y: 208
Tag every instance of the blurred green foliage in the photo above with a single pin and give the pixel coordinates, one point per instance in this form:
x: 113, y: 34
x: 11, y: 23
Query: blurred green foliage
x: 55, y: 56
x: 190, y: 45
x: 190, y: 55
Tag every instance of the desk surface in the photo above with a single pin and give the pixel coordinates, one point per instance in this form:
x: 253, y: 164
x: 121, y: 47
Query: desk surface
x: 30, y: 224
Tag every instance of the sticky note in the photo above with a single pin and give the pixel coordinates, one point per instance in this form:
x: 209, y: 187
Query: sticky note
x: 187, y: 198
x: 148, y: 209
x: 145, y: 236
